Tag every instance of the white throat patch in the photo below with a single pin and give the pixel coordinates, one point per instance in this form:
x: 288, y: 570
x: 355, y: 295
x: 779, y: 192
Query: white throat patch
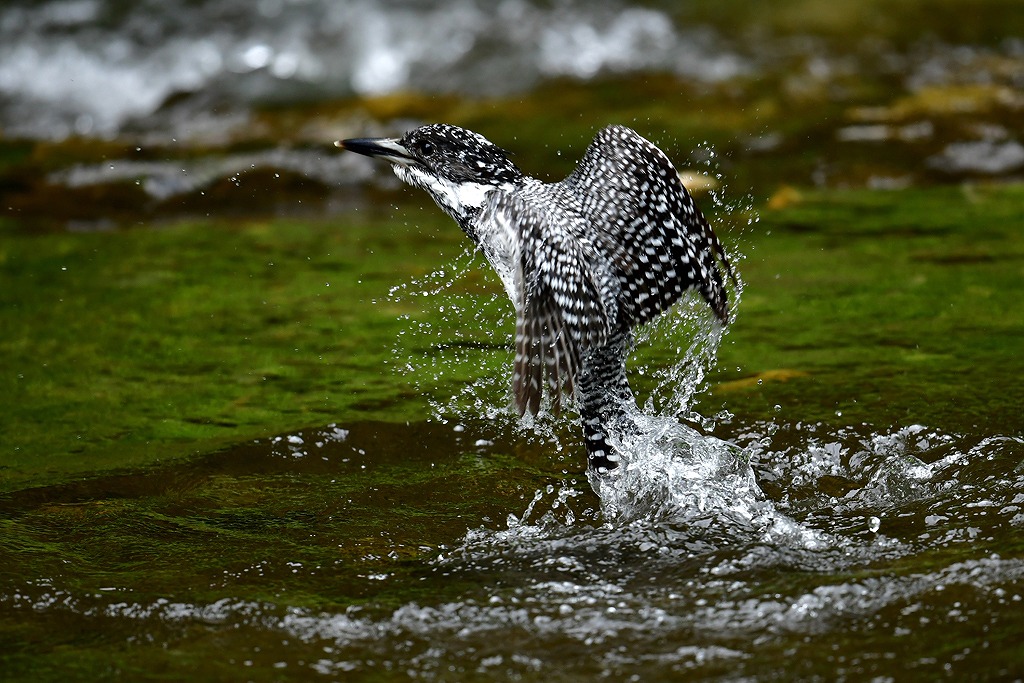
x: 457, y: 199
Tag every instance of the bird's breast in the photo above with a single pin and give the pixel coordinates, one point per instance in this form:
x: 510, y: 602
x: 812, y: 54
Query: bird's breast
x: 499, y: 242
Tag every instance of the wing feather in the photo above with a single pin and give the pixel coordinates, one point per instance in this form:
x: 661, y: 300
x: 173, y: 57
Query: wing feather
x: 660, y: 242
x: 560, y: 314
x: 625, y: 244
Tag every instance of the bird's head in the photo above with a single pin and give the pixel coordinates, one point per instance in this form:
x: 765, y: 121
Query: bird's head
x: 456, y: 166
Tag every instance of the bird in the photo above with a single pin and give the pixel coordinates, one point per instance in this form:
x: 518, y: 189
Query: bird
x: 584, y: 260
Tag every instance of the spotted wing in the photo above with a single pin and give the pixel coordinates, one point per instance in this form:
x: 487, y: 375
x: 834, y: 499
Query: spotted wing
x: 557, y: 297
x: 660, y: 243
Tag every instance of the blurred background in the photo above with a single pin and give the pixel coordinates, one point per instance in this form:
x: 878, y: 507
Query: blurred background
x: 97, y: 68
x: 173, y: 97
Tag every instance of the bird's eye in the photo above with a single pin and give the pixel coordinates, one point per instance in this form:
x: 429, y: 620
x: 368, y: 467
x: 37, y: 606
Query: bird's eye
x: 426, y: 149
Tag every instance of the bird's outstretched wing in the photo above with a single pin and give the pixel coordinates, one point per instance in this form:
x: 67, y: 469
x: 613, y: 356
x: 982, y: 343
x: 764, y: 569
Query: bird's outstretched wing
x: 625, y: 243
x: 659, y: 242
x: 557, y: 293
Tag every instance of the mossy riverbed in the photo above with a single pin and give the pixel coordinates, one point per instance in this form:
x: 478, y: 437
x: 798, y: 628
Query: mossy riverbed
x: 156, y: 523
x: 127, y: 348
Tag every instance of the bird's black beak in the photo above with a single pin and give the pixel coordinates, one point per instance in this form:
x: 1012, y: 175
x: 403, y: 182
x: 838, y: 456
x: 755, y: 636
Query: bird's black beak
x: 387, y: 149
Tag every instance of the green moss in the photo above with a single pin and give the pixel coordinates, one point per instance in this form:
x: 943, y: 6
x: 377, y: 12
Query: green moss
x: 125, y: 348
x: 900, y: 307
x: 121, y: 348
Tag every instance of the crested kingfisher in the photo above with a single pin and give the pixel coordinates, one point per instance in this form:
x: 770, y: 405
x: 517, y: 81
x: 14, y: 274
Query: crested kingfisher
x: 584, y: 260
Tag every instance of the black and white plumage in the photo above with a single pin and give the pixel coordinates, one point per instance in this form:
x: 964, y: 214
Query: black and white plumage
x: 584, y: 260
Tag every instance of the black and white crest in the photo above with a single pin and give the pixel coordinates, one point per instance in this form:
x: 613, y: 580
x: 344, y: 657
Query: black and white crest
x: 461, y: 156
x: 456, y: 166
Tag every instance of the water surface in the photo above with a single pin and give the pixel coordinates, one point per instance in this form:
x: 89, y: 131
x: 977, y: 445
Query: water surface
x: 254, y: 404
x: 341, y: 551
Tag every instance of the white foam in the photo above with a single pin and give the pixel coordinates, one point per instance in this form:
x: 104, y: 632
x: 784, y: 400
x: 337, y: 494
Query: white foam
x: 65, y: 71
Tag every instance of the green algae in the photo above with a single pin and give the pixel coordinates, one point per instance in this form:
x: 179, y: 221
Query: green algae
x: 126, y: 348
x: 900, y: 307
x: 121, y: 348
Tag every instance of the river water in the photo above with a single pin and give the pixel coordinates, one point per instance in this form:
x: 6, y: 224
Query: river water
x: 795, y: 552
x: 100, y: 67
x: 95, y: 66
x: 465, y: 545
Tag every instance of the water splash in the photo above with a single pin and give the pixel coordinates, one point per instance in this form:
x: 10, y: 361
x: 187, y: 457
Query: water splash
x: 672, y: 471
x: 683, y: 590
x: 455, y: 342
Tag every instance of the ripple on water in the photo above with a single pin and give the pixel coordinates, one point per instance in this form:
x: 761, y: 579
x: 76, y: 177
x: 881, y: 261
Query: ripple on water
x: 546, y: 621
x: 706, y: 568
